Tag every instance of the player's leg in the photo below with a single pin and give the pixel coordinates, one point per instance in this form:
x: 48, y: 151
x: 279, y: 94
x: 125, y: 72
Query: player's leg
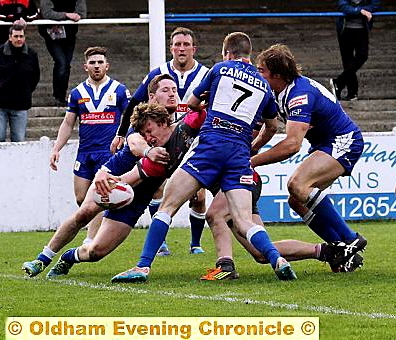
x: 81, y: 186
x: 240, y: 206
x: 178, y: 189
x: 305, y: 186
x: 65, y: 233
x: 197, y: 221
x: 153, y: 208
x: 216, y: 216
x: 110, y: 235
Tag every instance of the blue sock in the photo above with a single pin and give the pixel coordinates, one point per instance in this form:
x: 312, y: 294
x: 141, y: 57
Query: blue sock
x: 259, y: 238
x: 46, y: 260
x: 316, y: 223
x: 153, y: 206
x: 155, y: 236
x: 197, y: 222
x: 321, y: 205
x: 46, y: 255
x: 70, y: 256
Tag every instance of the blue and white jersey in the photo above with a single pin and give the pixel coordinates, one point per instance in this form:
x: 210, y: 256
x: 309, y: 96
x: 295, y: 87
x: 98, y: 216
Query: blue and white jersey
x: 186, y: 83
x: 99, y: 112
x: 305, y: 100
x: 239, y: 97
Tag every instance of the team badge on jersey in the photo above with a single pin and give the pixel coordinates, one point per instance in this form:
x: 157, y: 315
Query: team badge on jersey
x: 112, y: 99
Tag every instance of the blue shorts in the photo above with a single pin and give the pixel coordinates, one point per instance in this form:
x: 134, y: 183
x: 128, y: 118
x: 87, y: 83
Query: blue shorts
x: 346, y: 149
x: 212, y: 161
x: 87, y: 164
x: 143, y: 193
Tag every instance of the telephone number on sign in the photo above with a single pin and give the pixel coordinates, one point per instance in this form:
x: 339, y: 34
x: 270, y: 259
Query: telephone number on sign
x: 351, y: 207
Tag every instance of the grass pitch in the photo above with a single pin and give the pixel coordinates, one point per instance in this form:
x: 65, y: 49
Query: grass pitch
x: 359, y: 305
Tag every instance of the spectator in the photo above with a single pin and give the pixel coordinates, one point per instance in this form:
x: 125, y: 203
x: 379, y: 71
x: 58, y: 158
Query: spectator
x: 17, y: 12
x: 19, y: 76
x: 61, y: 40
x: 353, y: 38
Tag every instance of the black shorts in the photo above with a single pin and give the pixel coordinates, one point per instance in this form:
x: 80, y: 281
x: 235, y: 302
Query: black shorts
x: 256, y: 195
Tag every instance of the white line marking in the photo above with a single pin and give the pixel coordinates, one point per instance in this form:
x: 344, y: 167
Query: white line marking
x: 133, y: 289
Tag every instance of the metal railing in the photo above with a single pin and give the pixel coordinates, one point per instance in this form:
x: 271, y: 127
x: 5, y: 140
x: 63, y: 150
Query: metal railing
x: 209, y: 16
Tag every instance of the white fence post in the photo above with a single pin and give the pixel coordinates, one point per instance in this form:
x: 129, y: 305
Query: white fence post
x: 157, y: 32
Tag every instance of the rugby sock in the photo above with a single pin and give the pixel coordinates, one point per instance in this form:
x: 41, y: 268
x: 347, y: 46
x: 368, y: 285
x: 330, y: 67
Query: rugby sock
x: 155, y: 236
x: 317, y: 224
x: 197, y: 222
x: 321, y: 205
x: 154, y: 205
x: 46, y: 255
x: 71, y: 256
x: 153, y: 208
x: 87, y: 240
x: 258, y: 237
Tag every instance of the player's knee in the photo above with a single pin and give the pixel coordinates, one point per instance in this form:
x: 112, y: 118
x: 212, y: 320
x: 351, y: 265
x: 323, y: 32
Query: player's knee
x: 295, y: 188
x: 198, y: 202
x: 85, y: 214
x: 211, y: 216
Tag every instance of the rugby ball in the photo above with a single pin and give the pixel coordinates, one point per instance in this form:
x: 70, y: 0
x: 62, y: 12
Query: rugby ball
x: 121, y: 195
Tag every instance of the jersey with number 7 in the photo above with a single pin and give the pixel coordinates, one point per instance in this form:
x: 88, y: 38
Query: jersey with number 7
x: 239, y: 97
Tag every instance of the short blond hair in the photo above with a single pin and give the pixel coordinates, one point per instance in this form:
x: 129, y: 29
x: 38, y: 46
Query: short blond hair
x: 143, y: 112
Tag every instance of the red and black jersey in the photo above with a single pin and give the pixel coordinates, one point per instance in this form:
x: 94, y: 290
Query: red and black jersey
x: 177, y: 146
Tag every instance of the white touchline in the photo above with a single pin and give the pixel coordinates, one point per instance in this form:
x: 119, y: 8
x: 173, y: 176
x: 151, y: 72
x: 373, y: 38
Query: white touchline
x: 130, y: 289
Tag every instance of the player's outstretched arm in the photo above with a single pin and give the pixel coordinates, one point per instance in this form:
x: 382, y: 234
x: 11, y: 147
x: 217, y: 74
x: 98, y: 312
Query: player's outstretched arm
x: 295, y: 132
x: 64, y: 133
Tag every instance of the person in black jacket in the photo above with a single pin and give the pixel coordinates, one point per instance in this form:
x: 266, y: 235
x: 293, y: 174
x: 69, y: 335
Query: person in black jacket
x: 353, y: 38
x: 60, y: 40
x: 17, y: 12
x: 19, y: 76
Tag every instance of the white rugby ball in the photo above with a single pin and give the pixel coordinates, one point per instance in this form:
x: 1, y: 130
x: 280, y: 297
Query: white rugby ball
x: 121, y: 195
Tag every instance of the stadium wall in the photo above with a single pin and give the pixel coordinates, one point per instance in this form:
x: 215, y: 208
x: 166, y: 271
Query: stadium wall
x: 34, y: 197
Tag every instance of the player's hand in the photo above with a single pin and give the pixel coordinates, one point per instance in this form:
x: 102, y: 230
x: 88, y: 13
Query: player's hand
x: 117, y: 144
x: 204, y: 97
x: 102, y: 182
x: 159, y: 155
x: 54, y: 159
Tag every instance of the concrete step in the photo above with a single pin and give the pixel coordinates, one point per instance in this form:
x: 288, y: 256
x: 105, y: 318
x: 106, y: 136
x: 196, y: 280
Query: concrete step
x: 376, y: 125
x: 370, y: 105
x: 35, y: 133
x: 47, y: 111
x: 45, y: 122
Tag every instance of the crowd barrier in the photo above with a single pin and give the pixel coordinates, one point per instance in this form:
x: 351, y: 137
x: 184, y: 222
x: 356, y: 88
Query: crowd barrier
x: 210, y: 16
